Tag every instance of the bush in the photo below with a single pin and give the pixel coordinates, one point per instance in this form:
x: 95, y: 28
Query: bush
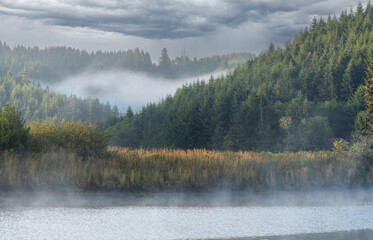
x: 311, y: 134
x: 317, y: 133
x: 84, y: 139
x: 13, y: 133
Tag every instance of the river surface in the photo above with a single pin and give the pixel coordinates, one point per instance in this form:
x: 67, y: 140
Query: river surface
x: 173, y: 216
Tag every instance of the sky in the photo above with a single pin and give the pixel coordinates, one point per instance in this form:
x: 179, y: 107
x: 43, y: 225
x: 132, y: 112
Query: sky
x: 201, y: 27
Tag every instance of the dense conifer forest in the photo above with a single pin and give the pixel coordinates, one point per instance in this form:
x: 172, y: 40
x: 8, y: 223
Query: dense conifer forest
x: 295, y: 97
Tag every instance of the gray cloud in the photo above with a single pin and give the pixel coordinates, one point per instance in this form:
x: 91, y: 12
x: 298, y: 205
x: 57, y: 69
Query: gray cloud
x: 252, y: 36
x: 160, y: 19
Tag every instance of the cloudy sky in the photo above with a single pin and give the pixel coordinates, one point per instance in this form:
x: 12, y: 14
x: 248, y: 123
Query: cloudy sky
x: 202, y: 27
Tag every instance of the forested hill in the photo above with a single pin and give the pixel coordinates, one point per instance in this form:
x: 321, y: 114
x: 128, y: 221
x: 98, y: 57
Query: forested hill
x: 56, y: 63
x: 37, y: 104
x: 295, y: 97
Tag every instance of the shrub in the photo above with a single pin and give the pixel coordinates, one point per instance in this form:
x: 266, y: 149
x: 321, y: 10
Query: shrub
x: 340, y: 145
x: 84, y: 139
x: 13, y: 133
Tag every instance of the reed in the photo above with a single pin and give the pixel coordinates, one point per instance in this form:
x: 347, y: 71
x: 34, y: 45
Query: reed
x: 124, y: 169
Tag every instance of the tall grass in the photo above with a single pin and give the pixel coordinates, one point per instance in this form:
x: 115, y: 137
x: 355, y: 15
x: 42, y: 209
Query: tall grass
x: 163, y: 169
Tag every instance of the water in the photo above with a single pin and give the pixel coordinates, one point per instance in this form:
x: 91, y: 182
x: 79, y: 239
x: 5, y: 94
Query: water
x: 46, y: 218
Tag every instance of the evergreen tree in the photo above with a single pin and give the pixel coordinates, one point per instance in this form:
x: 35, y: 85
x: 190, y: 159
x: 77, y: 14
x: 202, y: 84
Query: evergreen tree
x: 129, y: 113
x: 164, y: 62
x: 13, y: 133
x: 365, y: 120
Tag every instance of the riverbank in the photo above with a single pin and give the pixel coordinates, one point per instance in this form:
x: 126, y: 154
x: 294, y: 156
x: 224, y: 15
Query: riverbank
x: 140, y: 170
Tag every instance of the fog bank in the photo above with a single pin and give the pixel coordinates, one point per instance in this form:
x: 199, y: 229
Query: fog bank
x: 219, y: 198
x: 124, y: 88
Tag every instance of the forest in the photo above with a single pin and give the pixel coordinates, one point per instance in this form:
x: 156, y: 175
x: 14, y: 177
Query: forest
x: 54, y: 64
x: 37, y: 103
x: 293, y: 97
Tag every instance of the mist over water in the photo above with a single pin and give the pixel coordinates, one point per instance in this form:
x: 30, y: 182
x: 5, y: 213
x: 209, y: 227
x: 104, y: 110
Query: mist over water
x: 216, y: 215
x: 124, y: 88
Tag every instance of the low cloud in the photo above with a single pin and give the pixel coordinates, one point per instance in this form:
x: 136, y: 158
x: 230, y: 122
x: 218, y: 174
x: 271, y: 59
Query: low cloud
x: 123, y: 88
x: 213, y: 26
x: 162, y: 19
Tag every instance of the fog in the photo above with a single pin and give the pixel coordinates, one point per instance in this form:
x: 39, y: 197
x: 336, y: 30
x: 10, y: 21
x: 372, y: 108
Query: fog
x: 123, y: 88
x: 216, y: 198
x: 318, y: 214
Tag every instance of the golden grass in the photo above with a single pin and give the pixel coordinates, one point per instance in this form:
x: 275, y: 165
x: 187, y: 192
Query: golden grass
x: 162, y: 169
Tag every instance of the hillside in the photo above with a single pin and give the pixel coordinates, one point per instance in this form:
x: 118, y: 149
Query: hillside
x: 37, y: 103
x: 54, y: 64
x: 294, y: 97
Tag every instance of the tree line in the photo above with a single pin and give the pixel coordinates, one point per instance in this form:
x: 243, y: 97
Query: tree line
x: 54, y: 64
x: 53, y: 155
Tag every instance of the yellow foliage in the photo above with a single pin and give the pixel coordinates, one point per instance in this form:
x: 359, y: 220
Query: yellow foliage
x: 340, y: 145
x: 82, y: 138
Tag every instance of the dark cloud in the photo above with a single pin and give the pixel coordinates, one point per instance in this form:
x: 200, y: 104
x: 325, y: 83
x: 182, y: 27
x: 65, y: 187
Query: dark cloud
x: 160, y: 19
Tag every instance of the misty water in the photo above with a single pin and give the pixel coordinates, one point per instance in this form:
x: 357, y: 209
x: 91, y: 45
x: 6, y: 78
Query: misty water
x: 181, y: 216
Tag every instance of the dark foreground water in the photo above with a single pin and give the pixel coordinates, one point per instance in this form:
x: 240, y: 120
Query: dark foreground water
x: 312, y: 215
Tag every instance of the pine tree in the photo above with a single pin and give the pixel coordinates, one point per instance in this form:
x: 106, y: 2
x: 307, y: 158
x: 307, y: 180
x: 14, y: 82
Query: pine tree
x: 164, y: 63
x: 13, y: 133
x: 368, y: 94
x: 129, y: 113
